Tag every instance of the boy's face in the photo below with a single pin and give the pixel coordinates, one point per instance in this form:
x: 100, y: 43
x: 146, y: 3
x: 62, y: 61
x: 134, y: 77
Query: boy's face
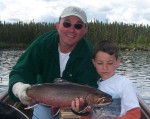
x: 105, y: 64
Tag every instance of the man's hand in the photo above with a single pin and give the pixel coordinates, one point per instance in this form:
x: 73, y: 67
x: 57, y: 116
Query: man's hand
x: 19, y: 90
x: 77, y: 106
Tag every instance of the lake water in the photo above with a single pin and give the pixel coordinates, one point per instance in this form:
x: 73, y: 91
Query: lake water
x: 135, y: 65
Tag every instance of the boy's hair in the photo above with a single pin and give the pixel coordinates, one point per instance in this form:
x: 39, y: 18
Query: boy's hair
x: 106, y: 46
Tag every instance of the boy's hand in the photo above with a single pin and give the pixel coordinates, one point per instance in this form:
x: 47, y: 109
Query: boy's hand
x: 78, y: 104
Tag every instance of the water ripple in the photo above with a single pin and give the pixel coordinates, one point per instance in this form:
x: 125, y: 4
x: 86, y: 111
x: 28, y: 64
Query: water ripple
x: 134, y: 65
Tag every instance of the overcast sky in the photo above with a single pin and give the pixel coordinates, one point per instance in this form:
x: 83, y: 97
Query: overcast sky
x: 127, y: 11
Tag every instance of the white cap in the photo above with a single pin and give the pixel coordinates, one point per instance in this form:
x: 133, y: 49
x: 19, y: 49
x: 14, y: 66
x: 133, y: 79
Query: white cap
x: 74, y: 11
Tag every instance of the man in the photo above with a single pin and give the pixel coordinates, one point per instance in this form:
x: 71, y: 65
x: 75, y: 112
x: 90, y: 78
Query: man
x: 64, y: 53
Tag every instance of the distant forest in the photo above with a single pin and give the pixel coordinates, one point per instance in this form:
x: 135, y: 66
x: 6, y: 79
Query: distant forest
x: 127, y: 36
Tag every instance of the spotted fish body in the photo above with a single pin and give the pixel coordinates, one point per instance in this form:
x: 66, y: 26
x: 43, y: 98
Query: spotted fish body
x: 62, y: 94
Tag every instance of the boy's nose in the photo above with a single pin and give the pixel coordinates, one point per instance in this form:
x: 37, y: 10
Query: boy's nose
x: 105, y: 66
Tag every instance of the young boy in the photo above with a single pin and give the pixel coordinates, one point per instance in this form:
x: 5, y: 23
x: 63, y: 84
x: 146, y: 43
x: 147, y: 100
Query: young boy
x: 106, y: 62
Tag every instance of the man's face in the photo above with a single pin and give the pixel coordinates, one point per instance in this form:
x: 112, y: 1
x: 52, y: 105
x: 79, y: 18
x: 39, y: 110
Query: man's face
x: 71, y: 29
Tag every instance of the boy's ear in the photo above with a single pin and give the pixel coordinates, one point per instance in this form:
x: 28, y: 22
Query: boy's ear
x: 93, y: 62
x: 118, y: 62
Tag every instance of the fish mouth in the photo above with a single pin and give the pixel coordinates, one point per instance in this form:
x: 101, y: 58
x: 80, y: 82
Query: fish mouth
x: 104, y: 102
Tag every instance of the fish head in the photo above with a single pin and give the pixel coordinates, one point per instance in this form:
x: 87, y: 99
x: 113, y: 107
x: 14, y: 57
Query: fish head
x: 99, y: 99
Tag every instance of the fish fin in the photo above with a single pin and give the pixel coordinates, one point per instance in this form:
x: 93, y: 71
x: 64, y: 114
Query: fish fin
x: 83, y: 106
x: 84, y: 110
x: 60, y: 80
x: 54, y: 111
x: 29, y: 107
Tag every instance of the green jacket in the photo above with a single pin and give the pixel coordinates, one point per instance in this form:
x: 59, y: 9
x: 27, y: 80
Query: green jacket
x: 40, y: 63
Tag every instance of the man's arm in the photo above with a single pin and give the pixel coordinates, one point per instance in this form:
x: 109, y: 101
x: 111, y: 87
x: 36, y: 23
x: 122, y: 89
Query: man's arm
x: 132, y: 114
x: 19, y: 90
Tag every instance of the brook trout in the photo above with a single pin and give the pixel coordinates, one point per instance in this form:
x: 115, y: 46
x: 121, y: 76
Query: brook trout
x: 62, y: 93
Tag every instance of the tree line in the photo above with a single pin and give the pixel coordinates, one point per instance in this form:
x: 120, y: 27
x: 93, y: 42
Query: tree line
x: 127, y: 36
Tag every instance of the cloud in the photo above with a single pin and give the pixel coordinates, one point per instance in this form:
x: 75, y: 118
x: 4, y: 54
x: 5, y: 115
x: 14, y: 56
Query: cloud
x: 2, y: 6
x: 128, y: 11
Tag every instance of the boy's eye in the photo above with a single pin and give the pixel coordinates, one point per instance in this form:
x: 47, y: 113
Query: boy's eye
x: 100, y: 63
x: 110, y: 63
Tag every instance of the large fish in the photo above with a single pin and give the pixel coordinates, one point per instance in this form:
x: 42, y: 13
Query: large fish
x: 62, y: 93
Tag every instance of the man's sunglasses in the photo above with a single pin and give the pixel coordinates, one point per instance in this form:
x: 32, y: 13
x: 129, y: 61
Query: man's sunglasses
x: 78, y: 26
